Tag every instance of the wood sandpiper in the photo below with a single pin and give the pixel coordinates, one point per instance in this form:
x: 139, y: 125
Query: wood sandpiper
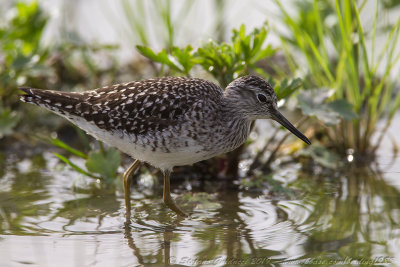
x: 167, y: 122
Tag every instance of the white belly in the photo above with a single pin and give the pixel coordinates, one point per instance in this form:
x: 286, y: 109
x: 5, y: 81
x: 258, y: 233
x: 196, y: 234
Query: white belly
x: 178, y: 156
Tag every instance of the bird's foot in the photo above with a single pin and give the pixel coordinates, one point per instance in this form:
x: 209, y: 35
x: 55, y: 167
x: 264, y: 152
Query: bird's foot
x: 170, y: 203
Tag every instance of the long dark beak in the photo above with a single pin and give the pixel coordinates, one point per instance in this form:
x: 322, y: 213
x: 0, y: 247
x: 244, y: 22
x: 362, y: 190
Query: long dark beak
x: 277, y: 116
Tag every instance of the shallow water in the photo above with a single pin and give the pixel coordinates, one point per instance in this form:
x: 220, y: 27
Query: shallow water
x: 50, y: 216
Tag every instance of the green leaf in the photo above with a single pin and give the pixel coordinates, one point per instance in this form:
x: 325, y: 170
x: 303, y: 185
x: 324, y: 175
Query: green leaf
x: 147, y: 52
x: 162, y: 57
x: 312, y: 104
x: 20, y: 61
x: 222, y: 60
x: 8, y: 120
x: 184, y: 57
x: 105, y: 163
x: 265, y: 53
x: 285, y: 88
x: 343, y: 108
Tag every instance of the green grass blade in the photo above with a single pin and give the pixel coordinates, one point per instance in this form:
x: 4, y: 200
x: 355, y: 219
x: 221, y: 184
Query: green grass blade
x: 385, y: 48
x: 352, y: 73
x: 366, y: 67
x: 320, y: 32
x: 395, y: 106
x: 136, y: 20
x: 320, y: 59
x: 58, y: 143
x: 374, y: 26
x: 74, y: 166
x: 392, y: 44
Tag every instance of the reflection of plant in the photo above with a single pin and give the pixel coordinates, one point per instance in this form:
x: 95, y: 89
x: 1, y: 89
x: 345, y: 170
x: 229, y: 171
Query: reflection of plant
x: 276, y: 187
x: 339, y: 52
x: 358, y: 223
x: 26, y: 197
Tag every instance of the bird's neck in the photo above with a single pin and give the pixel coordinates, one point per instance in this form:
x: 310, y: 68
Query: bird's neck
x: 232, y: 108
x: 236, y: 121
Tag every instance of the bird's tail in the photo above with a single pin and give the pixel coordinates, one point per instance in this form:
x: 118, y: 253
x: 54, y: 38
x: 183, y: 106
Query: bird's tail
x: 58, y: 102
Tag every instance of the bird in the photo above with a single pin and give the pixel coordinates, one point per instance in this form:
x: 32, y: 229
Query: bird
x: 167, y: 121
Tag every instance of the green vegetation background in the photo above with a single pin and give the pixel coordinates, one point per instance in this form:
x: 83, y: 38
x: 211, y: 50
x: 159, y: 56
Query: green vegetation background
x: 327, y: 65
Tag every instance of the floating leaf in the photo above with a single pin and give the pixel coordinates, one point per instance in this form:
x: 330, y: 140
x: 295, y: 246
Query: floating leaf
x: 202, y: 201
x: 321, y: 155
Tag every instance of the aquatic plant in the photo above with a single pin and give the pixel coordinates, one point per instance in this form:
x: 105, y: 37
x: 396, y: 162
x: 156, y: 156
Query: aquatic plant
x: 333, y: 48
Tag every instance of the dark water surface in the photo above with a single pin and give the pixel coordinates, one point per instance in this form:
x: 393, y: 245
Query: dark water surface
x: 50, y: 216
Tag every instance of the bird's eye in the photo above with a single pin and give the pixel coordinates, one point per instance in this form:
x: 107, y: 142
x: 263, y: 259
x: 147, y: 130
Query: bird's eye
x: 262, y: 98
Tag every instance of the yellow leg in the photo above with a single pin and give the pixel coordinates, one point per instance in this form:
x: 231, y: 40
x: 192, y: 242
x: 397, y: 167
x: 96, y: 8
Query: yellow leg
x: 127, y: 177
x: 168, y: 201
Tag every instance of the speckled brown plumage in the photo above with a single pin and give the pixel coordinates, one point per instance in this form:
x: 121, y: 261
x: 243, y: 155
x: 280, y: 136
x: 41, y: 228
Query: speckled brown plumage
x: 166, y: 121
x: 137, y: 107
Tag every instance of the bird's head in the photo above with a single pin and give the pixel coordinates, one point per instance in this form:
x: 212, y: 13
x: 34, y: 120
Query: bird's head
x: 256, y: 99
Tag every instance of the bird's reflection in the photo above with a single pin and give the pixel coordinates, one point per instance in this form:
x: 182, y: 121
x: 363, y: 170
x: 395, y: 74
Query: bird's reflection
x: 164, y: 250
